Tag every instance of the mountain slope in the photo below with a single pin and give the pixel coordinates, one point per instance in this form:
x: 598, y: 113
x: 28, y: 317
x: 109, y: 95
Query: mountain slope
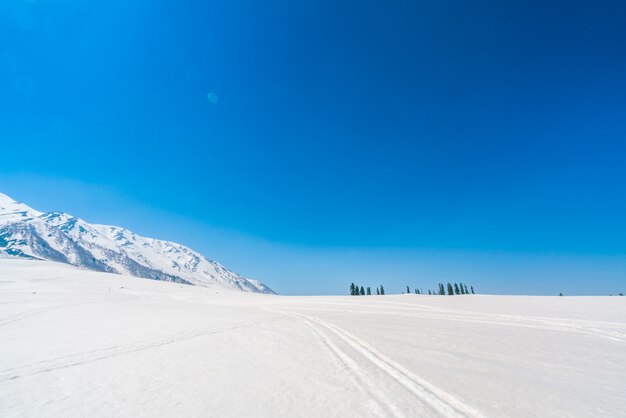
x: 56, y: 236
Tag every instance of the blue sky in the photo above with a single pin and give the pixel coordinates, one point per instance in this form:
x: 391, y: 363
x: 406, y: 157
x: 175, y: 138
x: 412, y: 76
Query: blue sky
x: 311, y: 144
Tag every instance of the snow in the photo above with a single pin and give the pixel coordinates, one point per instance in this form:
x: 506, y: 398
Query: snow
x: 76, y: 343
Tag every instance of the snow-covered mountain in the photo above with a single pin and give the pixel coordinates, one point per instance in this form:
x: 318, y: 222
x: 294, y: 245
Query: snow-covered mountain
x: 56, y: 236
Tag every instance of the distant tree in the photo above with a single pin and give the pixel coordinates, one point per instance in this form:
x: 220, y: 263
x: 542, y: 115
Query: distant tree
x: 382, y: 290
x: 472, y: 287
x: 560, y: 294
x: 462, y: 289
x: 362, y: 291
x: 377, y: 291
x: 441, y: 289
x: 456, y: 289
x: 450, y: 290
x: 429, y: 292
x: 352, y: 287
x: 621, y: 294
x: 369, y: 290
x: 465, y: 289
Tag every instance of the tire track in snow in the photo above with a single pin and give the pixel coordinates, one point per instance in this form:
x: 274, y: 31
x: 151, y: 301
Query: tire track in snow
x: 537, y: 322
x: 91, y: 356
x: 27, y: 314
x: 591, y: 328
x: 384, y: 406
x: 438, y: 400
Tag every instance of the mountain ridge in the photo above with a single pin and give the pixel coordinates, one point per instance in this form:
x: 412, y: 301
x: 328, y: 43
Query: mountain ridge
x: 57, y: 236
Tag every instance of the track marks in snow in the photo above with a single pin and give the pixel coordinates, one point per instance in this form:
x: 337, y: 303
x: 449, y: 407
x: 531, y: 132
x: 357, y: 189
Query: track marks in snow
x: 600, y: 329
x: 439, y: 401
x: 87, y: 357
x: 33, y: 312
x: 381, y: 403
x: 592, y: 328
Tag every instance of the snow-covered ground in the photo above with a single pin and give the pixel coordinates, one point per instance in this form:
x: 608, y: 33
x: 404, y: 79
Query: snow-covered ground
x: 81, y: 344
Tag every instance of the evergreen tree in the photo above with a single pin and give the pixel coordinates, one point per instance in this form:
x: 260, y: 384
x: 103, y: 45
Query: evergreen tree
x: 377, y: 291
x: 560, y: 294
x: 456, y: 289
x: 429, y: 292
x: 408, y: 290
x: 382, y: 290
x: 462, y: 290
x: 472, y: 287
x: 441, y: 291
x: 450, y: 290
x: 466, y: 292
x: 352, y: 289
x: 362, y: 291
x: 369, y: 291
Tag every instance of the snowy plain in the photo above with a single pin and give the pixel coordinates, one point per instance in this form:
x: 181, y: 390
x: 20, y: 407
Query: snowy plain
x: 77, y: 343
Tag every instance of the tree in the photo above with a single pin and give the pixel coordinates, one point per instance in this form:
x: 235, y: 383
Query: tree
x: 377, y: 291
x: 450, y: 290
x: 382, y: 290
x: 462, y: 290
x: 429, y: 292
x: 408, y: 290
x: 472, y: 287
x: 369, y: 291
x: 352, y: 287
x: 441, y: 289
x: 456, y: 289
x: 560, y: 294
x: 466, y: 292
x: 362, y: 291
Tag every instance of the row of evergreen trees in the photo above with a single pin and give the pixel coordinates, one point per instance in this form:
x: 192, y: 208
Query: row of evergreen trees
x: 450, y: 289
x: 355, y: 290
x: 453, y: 289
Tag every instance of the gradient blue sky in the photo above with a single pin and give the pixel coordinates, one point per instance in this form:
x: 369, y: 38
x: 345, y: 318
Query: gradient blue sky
x: 314, y: 143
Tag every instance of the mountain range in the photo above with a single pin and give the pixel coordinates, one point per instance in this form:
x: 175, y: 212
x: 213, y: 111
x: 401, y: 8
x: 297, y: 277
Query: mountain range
x: 57, y: 236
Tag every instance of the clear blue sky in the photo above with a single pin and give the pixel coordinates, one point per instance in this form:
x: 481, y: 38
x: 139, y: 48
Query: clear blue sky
x: 314, y: 143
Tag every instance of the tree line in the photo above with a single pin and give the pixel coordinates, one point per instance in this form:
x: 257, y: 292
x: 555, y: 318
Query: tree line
x: 355, y: 290
x: 449, y: 289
